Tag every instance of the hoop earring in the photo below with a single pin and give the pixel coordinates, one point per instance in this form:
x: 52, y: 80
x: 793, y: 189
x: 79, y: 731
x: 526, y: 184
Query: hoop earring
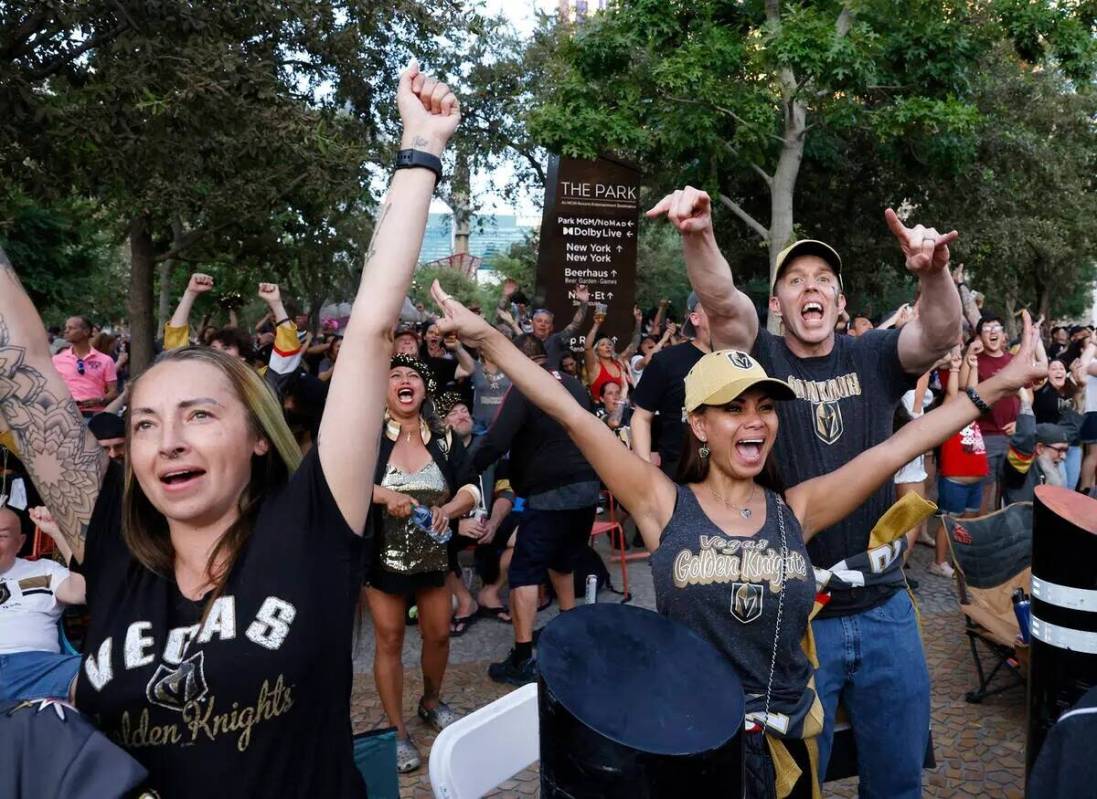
x: 704, y: 451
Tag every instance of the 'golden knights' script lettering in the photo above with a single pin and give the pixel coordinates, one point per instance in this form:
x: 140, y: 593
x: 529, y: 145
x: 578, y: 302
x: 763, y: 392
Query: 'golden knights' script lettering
x: 203, y: 720
x: 728, y: 561
x: 824, y: 396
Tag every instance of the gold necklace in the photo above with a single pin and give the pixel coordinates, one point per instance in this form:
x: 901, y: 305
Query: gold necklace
x: 744, y: 511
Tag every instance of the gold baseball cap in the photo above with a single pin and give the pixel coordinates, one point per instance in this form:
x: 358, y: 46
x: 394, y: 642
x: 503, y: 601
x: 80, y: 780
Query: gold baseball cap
x: 721, y: 376
x: 807, y: 247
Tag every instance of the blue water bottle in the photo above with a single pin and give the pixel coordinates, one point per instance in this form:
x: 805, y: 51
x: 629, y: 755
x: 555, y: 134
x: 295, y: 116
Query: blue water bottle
x: 1023, y: 610
x: 421, y: 517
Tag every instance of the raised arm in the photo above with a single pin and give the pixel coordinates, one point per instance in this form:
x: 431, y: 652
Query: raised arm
x: 827, y: 499
x: 582, y: 293
x: 589, y: 355
x: 65, y: 462
x: 733, y: 319
x: 466, y: 366
x: 931, y: 334
x: 177, y: 333
x: 641, y: 487
x: 637, y: 334
x: 970, y: 307
x: 1088, y: 361
x: 349, y: 430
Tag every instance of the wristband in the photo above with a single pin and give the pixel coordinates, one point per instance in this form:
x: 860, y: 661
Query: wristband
x: 281, y: 322
x: 978, y: 401
x: 412, y: 159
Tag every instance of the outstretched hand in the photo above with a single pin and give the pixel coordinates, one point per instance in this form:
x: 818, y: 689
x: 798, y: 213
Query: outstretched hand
x: 1023, y: 370
x: 471, y: 328
x: 925, y: 249
x: 689, y: 209
x: 429, y: 110
x: 43, y: 520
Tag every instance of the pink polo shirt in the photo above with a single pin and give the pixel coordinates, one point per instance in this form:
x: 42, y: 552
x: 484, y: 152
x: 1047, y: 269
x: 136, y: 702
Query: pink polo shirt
x: 99, y: 370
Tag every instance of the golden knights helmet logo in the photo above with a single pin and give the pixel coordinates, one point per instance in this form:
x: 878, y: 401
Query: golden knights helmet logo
x: 746, y: 601
x: 828, y: 421
x: 172, y: 687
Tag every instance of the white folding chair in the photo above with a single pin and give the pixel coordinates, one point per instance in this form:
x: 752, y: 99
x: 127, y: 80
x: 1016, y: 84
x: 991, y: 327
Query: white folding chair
x: 487, y: 747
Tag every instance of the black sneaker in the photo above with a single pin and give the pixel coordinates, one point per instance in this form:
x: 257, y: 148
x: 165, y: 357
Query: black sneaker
x: 514, y: 671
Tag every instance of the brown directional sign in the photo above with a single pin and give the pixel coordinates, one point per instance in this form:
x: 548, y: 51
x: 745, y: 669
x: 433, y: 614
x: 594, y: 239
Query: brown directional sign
x: 588, y: 237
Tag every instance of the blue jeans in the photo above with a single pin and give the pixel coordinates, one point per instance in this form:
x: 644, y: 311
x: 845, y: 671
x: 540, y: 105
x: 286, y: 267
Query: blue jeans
x: 1073, y: 466
x: 874, y: 664
x: 957, y: 498
x: 36, y: 675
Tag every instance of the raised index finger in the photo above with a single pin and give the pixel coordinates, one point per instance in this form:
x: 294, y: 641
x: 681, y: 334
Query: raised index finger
x: 660, y: 207
x: 895, y: 225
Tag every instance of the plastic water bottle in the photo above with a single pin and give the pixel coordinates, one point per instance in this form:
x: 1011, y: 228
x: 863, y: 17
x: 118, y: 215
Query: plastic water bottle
x: 1023, y: 610
x: 422, y: 518
x: 592, y: 589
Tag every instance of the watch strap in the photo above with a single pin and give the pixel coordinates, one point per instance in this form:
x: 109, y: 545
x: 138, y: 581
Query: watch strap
x: 412, y: 159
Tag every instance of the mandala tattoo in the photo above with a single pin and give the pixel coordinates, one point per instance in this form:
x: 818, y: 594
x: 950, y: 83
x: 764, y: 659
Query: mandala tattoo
x: 64, y: 460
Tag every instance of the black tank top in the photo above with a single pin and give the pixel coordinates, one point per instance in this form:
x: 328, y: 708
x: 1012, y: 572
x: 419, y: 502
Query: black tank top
x: 728, y: 589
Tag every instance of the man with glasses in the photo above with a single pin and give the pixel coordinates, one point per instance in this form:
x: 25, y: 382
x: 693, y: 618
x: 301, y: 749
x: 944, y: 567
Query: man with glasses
x: 997, y: 425
x: 1035, y: 455
x: 556, y: 344
x: 90, y: 375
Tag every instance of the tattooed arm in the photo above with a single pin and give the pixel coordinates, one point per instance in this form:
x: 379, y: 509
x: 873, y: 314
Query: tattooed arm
x: 350, y: 428
x: 63, y: 458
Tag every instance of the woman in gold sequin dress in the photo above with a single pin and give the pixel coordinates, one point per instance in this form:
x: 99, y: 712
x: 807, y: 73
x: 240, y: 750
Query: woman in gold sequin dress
x: 417, y: 465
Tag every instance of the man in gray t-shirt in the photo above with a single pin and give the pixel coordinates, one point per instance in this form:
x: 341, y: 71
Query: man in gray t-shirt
x: 867, y: 641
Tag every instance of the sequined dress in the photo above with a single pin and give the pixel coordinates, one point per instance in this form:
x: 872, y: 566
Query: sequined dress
x: 407, y: 558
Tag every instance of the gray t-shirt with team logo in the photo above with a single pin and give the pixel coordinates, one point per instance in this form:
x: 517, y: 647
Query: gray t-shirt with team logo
x: 846, y: 405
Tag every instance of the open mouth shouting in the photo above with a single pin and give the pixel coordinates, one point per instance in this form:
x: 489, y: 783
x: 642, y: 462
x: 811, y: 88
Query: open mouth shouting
x: 180, y: 478
x: 749, y: 450
x: 812, y: 311
x: 406, y: 396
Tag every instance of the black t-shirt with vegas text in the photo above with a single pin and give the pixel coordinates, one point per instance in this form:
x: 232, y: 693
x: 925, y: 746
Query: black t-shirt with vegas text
x: 257, y: 702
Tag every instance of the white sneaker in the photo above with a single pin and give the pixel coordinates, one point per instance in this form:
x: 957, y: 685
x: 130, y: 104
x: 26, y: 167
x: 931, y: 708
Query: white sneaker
x: 942, y: 570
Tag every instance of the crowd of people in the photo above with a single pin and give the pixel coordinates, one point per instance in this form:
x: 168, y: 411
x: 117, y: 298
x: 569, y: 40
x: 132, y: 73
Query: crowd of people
x: 227, y: 514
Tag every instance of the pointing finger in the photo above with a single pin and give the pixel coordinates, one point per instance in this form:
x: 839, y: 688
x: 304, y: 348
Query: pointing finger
x: 895, y: 225
x: 659, y: 208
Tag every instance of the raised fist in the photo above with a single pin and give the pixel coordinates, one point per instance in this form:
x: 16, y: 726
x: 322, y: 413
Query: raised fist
x: 429, y: 110
x: 269, y: 293
x: 582, y: 293
x: 199, y: 283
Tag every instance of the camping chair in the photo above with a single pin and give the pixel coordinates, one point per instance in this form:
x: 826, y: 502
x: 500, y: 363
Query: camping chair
x: 487, y: 747
x: 43, y: 545
x: 992, y: 555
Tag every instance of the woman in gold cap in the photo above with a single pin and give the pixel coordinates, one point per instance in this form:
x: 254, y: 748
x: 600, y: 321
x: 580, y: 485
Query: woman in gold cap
x: 728, y: 541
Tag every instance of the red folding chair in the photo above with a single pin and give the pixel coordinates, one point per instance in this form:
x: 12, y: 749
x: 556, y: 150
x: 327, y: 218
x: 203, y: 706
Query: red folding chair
x: 616, y: 532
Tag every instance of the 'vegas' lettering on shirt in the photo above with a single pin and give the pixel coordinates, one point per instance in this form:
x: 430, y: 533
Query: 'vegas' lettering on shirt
x: 832, y: 390
x: 268, y: 630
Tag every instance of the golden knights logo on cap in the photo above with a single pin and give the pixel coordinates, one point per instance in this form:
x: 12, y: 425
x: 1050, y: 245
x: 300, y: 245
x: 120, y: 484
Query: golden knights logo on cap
x: 740, y: 359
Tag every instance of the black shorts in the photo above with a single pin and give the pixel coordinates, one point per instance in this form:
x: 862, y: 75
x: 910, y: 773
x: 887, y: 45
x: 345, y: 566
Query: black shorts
x: 548, y: 539
x: 1088, y: 433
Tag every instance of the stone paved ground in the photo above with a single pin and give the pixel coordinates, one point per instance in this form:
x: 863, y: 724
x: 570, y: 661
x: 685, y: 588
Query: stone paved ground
x: 979, y: 748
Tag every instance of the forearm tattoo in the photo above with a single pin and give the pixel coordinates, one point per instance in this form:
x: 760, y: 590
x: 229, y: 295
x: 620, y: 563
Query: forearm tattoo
x: 64, y: 461
x: 371, y: 251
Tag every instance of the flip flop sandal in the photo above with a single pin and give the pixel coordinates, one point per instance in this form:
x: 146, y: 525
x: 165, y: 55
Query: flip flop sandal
x: 407, y: 756
x: 460, y: 624
x: 440, y: 717
x: 495, y: 613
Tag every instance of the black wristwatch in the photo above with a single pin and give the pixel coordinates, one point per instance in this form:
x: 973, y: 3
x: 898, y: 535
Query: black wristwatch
x: 411, y: 159
x: 978, y: 401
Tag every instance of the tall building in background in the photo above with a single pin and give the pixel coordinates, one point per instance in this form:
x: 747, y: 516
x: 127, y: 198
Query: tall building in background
x: 490, y: 234
x: 578, y: 10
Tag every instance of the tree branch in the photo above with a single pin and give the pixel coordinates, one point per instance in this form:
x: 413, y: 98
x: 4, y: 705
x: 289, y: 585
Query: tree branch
x: 844, y: 22
x: 722, y: 110
x: 765, y: 176
x: 70, y: 56
x: 751, y: 222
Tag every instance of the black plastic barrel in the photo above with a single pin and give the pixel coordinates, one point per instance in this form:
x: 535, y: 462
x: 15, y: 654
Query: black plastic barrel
x: 1063, y: 654
x: 633, y: 705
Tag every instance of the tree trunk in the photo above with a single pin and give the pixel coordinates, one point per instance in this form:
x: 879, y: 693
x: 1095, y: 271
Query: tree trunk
x: 783, y: 189
x: 163, y: 307
x: 462, y: 211
x: 142, y: 258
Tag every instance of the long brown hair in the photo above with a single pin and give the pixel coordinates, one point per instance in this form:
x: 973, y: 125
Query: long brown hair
x: 692, y: 468
x: 145, y: 529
